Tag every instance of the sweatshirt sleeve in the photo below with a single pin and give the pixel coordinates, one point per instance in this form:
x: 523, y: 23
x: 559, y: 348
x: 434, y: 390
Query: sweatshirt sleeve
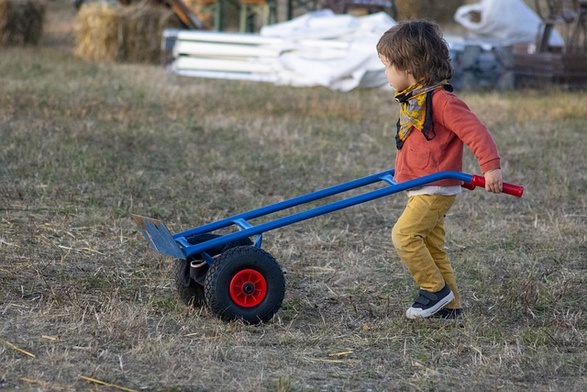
x: 456, y: 116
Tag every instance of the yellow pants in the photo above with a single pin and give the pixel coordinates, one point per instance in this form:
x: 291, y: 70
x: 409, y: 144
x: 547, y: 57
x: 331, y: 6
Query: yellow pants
x: 418, y: 237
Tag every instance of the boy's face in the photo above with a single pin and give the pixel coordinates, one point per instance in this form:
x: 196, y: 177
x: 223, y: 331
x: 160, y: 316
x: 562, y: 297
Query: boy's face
x: 399, y: 80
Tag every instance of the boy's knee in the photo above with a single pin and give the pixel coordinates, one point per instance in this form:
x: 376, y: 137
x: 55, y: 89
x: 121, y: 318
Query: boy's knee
x: 404, y: 240
x: 399, y: 240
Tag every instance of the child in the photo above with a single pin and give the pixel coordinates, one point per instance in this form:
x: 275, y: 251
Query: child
x: 431, y: 130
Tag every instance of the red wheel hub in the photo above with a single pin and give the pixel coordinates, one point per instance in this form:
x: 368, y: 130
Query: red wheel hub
x: 248, y: 288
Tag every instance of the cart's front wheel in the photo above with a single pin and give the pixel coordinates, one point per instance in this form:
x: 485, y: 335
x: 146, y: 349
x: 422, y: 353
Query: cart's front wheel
x: 245, y: 283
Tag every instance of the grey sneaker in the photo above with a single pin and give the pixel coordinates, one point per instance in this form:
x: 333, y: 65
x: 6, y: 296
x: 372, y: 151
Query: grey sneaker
x: 427, y: 303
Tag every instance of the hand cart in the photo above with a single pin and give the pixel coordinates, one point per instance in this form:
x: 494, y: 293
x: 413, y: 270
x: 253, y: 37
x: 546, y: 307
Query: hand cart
x: 237, y: 279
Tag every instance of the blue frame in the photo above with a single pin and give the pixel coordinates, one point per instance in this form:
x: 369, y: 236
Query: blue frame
x: 177, y: 245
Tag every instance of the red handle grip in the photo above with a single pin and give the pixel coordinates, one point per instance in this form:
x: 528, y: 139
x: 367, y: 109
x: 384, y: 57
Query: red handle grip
x: 510, y: 189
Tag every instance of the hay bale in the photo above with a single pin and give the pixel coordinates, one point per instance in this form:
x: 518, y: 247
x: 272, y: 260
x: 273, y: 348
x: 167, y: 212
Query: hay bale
x: 21, y: 21
x: 3, y: 17
x: 97, y: 32
x: 124, y: 34
x: 439, y: 11
x: 141, y: 32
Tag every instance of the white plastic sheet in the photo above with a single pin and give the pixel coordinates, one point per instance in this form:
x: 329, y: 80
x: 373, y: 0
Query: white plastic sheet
x: 508, y: 21
x: 352, y: 63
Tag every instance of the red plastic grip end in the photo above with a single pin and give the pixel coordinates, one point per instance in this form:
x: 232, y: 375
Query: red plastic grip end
x: 510, y: 189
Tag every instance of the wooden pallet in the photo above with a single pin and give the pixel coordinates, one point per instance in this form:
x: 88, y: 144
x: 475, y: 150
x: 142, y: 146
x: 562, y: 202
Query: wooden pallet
x: 566, y: 70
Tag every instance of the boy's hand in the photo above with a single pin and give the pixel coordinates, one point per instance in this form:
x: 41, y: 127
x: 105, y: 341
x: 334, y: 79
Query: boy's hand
x: 493, y: 181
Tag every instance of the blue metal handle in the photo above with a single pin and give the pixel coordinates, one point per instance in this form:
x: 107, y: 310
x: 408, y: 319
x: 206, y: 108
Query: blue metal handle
x: 251, y: 230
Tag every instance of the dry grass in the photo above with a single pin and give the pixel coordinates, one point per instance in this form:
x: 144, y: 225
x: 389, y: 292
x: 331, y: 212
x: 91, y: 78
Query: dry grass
x: 84, y: 145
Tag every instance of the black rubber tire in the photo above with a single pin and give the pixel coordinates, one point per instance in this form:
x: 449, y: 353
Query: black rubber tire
x: 226, y: 267
x: 190, y: 291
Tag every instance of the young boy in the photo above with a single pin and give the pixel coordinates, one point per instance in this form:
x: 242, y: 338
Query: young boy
x: 431, y: 130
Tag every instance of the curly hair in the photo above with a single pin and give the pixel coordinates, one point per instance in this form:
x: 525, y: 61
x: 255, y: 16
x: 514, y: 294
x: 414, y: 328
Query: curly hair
x: 417, y: 46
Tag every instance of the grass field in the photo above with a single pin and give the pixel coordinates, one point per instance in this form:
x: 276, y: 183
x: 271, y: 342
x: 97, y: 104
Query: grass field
x: 83, y: 300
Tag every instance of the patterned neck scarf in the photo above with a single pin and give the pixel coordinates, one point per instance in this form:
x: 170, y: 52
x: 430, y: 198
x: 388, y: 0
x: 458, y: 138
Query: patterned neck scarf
x: 416, y: 110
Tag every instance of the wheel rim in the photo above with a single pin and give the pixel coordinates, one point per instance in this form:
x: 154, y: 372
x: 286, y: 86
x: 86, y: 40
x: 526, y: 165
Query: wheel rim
x: 248, y: 288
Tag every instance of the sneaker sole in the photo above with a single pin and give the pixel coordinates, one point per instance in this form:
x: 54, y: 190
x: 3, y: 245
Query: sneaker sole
x: 413, y: 313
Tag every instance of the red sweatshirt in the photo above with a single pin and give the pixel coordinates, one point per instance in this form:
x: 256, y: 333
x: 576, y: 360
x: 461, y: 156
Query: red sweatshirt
x: 454, y: 124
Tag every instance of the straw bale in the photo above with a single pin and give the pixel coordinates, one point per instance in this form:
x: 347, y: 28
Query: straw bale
x: 124, y: 34
x: 21, y: 21
x: 141, y: 32
x: 3, y: 18
x: 97, y: 32
x: 439, y: 11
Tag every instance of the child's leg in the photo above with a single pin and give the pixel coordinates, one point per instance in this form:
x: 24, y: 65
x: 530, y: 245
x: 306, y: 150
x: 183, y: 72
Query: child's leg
x: 435, y: 244
x: 421, y: 216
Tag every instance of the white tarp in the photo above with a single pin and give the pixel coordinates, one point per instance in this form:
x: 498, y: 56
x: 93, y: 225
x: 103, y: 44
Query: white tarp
x: 350, y: 64
x: 507, y: 21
